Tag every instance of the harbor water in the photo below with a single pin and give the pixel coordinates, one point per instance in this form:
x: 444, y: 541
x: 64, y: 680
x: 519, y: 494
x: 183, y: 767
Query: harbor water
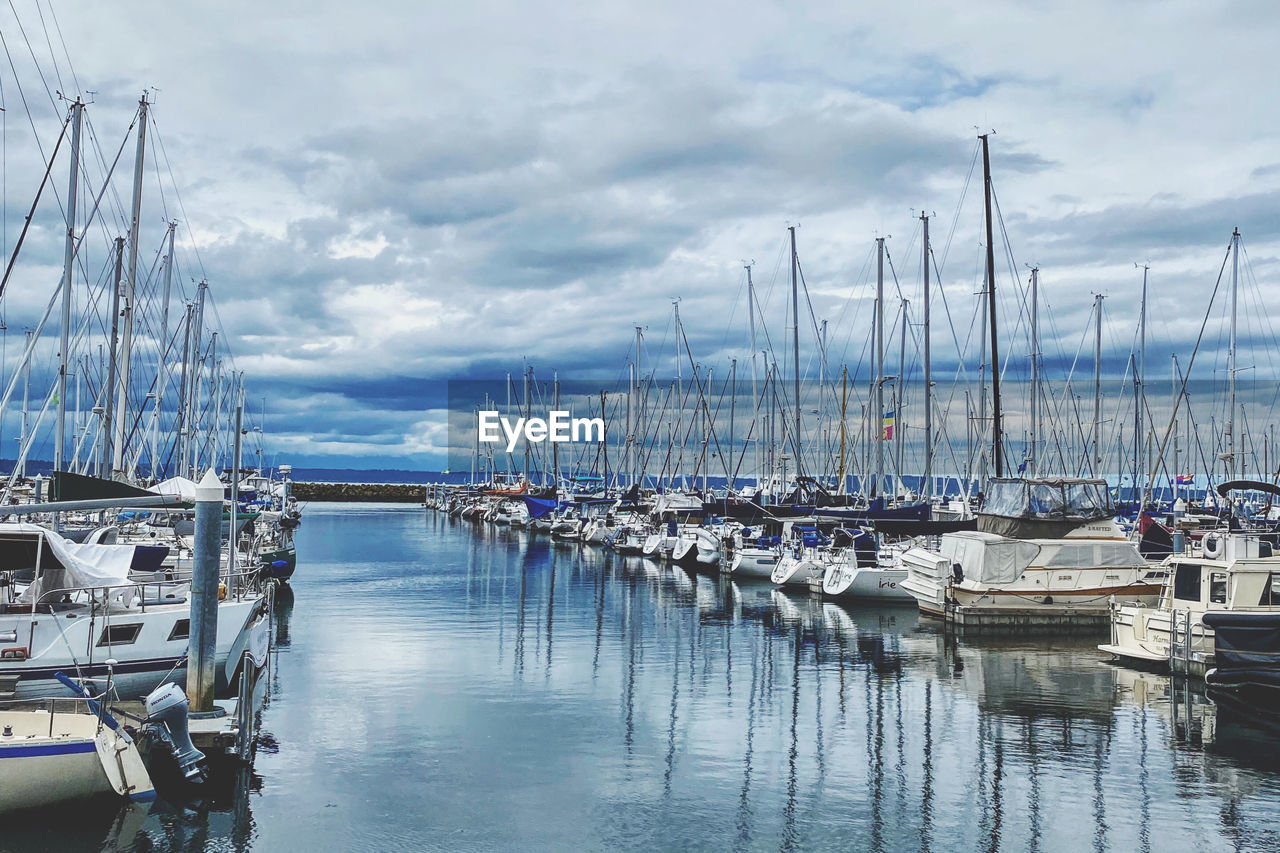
x: 439, y: 685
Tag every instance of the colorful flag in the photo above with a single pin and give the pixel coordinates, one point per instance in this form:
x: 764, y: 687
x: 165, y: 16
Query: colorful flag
x: 886, y: 426
x: 1185, y: 479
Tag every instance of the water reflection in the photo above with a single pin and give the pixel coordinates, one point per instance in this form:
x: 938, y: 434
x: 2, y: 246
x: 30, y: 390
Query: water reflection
x: 444, y: 685
x: 861, y: 719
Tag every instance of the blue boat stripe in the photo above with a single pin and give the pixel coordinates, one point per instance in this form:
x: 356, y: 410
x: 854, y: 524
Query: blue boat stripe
x: 75, y: 748
x: 37, y: 673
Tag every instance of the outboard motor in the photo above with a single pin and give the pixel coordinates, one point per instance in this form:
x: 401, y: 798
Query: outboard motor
x: 167, y: 709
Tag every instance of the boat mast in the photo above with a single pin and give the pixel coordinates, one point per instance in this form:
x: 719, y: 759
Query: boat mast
x: 755, y: 394
x: 795, y: 341
x: 108, y: 408
x: 26, y: 394
x: 1032, y: 463
x: 1231, y: 358
x: 928, y: 376
x: 844, y: 405
x: 897, y: 394
x: 877, y: 420
x: 731, y: 468
x: 68, y: 264
x: 1096, y: 468
x: 996, y: 448
x: 528, y: 413
x: 555, y: 445
x: 160, y: 356
x: 1139, y: 378
x: 130, y: 294
x: 1173, y: 379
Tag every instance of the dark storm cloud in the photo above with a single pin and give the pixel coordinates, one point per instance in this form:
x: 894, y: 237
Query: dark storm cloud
x: 382, y: 199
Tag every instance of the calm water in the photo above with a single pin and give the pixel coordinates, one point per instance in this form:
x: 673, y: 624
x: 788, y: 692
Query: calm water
x: 439, y: 686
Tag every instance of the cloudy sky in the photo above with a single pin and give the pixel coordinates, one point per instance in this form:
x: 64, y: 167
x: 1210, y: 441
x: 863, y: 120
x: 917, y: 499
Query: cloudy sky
x: 384, y: 201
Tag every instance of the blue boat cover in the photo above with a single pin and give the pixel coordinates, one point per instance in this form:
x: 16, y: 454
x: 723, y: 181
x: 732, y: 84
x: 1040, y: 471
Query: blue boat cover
x: 539, y: 507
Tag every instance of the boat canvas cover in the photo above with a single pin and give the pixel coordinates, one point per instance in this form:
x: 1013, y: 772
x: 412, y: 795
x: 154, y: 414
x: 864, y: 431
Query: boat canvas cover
x: 1245, y: 642
x: 987, y: 558
x: 1081, y: 499
x: 180, y: 486
x: 538, y: 507
x: 86, y: 565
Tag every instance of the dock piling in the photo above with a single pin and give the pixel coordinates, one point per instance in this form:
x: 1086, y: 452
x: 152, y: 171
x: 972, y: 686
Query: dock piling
x: 203, y: 644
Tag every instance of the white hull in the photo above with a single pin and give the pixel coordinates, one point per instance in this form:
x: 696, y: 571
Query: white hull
x: 753, y: 563
x: 880, y: 583
x: 75, y: 647
x: 77, y: 762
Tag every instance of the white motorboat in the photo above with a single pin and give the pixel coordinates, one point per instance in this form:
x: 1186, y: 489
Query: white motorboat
x: 1236, y: 572
x: 1048, y: 553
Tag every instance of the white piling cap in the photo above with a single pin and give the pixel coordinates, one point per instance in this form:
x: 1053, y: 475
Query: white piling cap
x: 209, y: 489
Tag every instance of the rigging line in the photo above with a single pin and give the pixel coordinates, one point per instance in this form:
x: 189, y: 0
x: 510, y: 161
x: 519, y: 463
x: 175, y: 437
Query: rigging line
x: 26, y: 225
x: 58, y: 28
x: 53, y: 101
x: 1173, y: 418
x: 195, y: 246
x: 49, y: 44
x: 22, y: 94
x: 964, y: 191
x: 96, y: 145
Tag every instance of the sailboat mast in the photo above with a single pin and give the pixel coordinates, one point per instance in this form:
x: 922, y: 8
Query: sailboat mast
x: 555, y: 445
x: 1139, y: 380
x: 1097, y: 386
x: 68, y: 264
x: 996, y: 448
x: 108, y: 408
x: 755, y: 393
x: 160, y: 357
x: 1231, y: 357
x: 26, y: 395
x: 1032, y: 462
x: 928, y: 376
x: 130, y: 295
x: 897, y: 393
x: 795, y: 341
x: 878, y: 416
x: 844, y: 405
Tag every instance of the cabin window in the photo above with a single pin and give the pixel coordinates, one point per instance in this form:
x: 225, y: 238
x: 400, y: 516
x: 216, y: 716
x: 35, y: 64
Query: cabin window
x: 181, y: 630
x: 119, y: 635
x: 1271, y: 591
x: 1186, y: 582
x: 1217, y: 588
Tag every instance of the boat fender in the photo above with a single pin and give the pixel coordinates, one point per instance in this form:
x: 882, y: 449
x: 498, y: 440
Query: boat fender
x: 222, y: 591
x: 1212, y: 544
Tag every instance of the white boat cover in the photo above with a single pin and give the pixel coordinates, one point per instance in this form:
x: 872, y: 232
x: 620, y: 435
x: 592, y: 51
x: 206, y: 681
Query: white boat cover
x: 180, y: 486
x: 987, y: 557
x: 87, y: 565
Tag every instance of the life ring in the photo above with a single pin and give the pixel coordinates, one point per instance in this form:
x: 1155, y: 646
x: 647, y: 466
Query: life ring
x: 1212, y: 544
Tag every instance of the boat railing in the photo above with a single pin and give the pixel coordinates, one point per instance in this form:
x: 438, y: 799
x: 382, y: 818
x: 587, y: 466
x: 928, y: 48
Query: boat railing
x: 53, y: 705
x: 237, y: 586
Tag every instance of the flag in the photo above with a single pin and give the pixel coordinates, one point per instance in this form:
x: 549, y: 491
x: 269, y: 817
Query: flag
x: 1023, y: 467
x: 886, y: 426
x: 1185, y: 479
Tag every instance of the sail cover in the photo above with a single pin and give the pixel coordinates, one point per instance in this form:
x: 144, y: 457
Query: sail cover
x: 62, y: 564
x: 180, y: 486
